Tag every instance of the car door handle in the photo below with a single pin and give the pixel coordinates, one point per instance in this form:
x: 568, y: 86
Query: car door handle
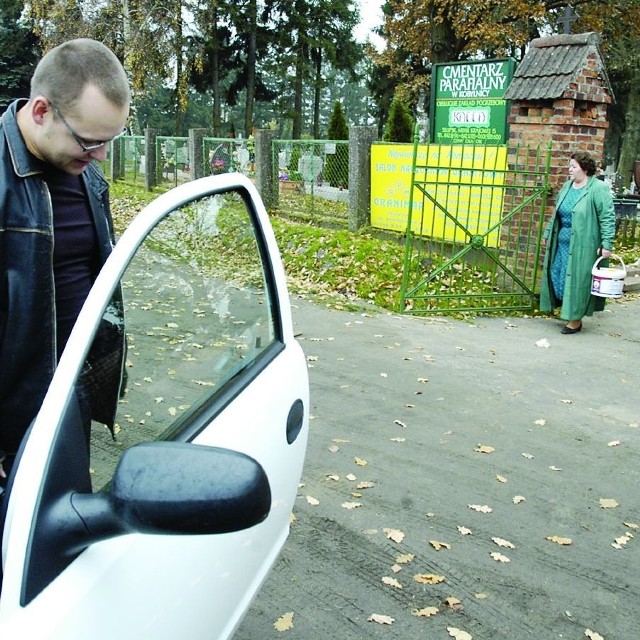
x: 295, y: 420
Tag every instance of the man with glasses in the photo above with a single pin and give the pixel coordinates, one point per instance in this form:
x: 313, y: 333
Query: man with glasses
x: 56, y: 233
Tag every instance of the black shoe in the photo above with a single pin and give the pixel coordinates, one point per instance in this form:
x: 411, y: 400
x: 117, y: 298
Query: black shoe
x: 567, y: 329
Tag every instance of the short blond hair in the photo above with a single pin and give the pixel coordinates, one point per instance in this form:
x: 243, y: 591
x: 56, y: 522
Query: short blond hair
x: 64, y: 72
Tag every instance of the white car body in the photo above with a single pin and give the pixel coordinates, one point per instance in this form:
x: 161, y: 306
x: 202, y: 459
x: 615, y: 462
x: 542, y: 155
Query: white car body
x: 166, y: 585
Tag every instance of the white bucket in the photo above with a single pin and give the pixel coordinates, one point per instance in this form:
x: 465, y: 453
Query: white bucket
x: 608, y: 282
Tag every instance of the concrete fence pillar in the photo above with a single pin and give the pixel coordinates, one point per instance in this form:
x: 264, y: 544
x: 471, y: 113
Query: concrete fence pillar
x: 266, y: 172
x: 360, y: 140
x: 151, y: 162
x: 196, y: 153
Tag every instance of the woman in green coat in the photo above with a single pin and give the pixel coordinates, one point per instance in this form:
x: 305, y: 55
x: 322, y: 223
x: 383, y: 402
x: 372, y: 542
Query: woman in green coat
x: 581, y: 229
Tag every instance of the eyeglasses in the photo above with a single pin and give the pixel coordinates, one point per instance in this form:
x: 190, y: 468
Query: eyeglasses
x: 84, y: 145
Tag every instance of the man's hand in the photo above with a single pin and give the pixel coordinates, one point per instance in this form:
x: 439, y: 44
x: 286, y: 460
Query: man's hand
x: 605, y: 253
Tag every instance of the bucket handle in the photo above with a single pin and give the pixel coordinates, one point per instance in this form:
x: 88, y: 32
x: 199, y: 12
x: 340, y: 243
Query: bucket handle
x: 614, y: 256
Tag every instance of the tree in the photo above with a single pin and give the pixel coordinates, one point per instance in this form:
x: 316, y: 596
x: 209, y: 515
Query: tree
x: 422, y: 32
x: 337, y: 164
x: 399, y: 126
x: 19, y: 53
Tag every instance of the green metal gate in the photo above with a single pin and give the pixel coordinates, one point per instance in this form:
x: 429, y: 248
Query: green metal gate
x: 474, y: 228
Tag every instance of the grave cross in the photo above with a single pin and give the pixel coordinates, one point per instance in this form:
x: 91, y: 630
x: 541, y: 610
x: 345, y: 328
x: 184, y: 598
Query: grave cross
x: 569, y: 16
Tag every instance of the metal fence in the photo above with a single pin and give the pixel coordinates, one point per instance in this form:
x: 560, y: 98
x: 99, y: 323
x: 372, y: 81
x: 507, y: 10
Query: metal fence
x: 313, y: 177
x: 474, y: 229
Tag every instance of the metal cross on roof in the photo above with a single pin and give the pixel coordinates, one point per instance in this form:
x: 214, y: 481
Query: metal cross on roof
x: 569, y: 16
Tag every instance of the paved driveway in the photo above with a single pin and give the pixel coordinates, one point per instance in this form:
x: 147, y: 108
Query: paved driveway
x: 477, y: 476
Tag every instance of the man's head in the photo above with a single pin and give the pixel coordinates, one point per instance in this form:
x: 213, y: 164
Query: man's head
x: 79, y: 98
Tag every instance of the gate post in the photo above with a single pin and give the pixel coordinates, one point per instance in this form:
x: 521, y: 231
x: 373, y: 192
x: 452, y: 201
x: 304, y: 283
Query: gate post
x: 117, y: 159
x: 195, y: 152
x: 265, y: 173
x: 151, y: 163
x: 360, y: 140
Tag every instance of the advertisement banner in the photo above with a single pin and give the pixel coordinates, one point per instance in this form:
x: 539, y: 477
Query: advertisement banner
x: 459, y: 190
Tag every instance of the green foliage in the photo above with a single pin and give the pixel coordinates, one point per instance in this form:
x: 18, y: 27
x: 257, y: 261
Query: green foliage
x: 399, y: 125
x: 19, y: 53
x: 336, y: 169
x: 338, y: 128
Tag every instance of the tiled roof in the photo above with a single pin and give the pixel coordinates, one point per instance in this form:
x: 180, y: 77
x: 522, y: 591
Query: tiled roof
x: 551, y: 65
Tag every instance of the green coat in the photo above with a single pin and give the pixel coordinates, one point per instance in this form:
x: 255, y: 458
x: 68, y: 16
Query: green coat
x: 593, y: 225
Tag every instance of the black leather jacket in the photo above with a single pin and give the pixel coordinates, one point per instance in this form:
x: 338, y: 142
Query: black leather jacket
x: 27, y: 292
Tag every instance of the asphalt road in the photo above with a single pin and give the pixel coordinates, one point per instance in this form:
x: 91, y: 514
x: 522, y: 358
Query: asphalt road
x: 448, y: 452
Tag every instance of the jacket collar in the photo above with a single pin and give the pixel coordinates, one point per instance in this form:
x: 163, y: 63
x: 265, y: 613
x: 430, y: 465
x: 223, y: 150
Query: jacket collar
x: 24, y: 162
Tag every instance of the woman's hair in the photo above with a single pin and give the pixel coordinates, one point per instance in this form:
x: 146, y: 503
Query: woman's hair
x: 586, y: 162
x: 64, y: 72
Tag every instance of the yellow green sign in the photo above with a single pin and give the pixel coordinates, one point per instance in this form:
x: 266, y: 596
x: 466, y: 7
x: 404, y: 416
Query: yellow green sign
x: 467, y: 103
x: 459, y: 192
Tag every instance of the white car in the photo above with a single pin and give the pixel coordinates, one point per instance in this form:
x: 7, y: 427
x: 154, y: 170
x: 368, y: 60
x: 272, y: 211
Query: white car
x: 171, y: 527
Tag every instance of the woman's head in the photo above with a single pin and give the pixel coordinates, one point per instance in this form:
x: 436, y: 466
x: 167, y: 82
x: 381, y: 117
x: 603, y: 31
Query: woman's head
x: 586, y: 162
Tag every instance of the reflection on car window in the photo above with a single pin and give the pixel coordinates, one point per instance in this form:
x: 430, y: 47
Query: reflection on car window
x: 197, y: 311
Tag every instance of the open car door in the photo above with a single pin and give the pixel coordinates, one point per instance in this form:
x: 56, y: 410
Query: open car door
x: 167, y: 528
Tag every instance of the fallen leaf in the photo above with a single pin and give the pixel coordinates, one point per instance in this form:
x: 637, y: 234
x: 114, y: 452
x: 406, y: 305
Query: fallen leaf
x: 398, y: 439
x: 621, y: 541
x: 423, y: 380
x: 405, y: 558
x: 592, y: 635
x: 541, y: 422
x: 333, y: 476
x: 613, y: 443
x: 428, y: 578
x: 392, y: 582
x: 365, y: 485
x: 504, y: 543
x: 380, y: 619
x: 427, y: 612
x: 340, y: 441
x: 481, y: 596
x: 518, y: 499
x: 554, y: 468
x: 284, y: 622
x: 439, y: 545
x: 313, y: 501
x: 501, y: 479
x: 384, y: 375
x: 484, y: 449
x: 334, y: 448
x: 459, y: 634
x: 465, y: 531
x: 529, y: 456
x: 559, y: 540
x: 360, y: 462
x: 483, y: 508
x: 394, y: 534
x: 350, y: 477
x: 399, y: 422
x: 396, y: 568
x: 543, y: 344
x: 351, y: 505
x: 631, y: 525
x: 609, y: 503
x: 566, y: 401
x: 498, y: 557
x: 453, y: 603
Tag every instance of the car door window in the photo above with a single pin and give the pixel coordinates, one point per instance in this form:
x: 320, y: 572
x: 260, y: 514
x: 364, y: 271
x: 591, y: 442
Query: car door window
x: 199, y: 309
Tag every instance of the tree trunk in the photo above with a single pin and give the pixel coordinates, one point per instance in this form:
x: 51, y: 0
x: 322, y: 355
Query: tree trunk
x: 297, y: 100
x: 251, y: 69
x: 317, y: 58
x: 630, y: 151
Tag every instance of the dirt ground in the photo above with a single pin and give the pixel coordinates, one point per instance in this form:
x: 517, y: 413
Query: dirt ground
x: 475, y: 477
